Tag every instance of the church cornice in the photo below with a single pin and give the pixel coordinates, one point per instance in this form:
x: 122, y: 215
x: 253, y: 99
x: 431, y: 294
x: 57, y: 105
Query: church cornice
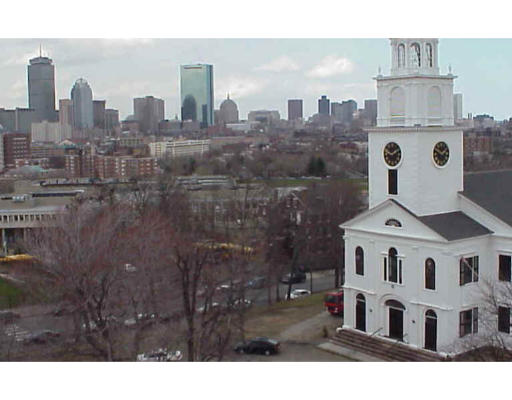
x: 413, y: 129
x: 413, y: 76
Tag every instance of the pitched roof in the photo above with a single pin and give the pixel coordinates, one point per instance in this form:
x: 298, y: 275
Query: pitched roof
x: 491, y: 191
x: 454, y: 225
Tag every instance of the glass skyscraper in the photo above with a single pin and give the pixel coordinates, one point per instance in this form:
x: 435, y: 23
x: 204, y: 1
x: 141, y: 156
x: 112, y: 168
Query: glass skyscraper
x: 83, y: 114
x: 197, y: 93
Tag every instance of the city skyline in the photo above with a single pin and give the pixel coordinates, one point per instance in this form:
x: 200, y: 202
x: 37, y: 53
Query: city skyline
x: 263, y: 74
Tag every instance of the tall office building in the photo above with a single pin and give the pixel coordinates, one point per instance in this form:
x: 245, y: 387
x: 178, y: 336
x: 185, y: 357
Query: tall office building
x: 337, y: 111
x: 294, y: 109
x: 457, y: 106
x: 148, y: 111
x: 323, y: 106
x: 370, y: 111
x: 98, y: 113
x: 83, y: 114
x: 348, y: 108
x: 111, y: 119
x: 66, y: 112
x: 197, y: 93
x: 41, y: 88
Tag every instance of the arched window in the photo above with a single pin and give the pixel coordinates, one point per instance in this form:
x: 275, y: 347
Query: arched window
x: 401, y: 55
x: 430, y: 60
x: 359, y: 261
x: 393, y: 267
x: 415, y: 55
x: 360, y: 312
x: 430, y: 274
x: 393, y: 222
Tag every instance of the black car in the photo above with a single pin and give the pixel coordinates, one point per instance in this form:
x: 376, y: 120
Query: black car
x: 259, y: 345
x: 295, y: 277
x: 8, y: 316
x: 41, y: 337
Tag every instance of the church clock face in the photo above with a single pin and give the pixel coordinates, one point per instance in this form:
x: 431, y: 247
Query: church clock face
x: 392, y: 154
x: 441, y: 154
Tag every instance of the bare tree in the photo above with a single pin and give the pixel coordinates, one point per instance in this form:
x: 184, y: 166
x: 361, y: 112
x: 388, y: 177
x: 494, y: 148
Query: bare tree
x: 81, y: 260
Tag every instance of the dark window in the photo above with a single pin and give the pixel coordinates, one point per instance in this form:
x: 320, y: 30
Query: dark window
x: 393, y: 222
x: 430, y: 274
x: 392, y: 181
x: 504, y: 319
x: 468, y: 322
x: 393, y: 265
x: 504, y: 268
x: 359, y: 261
x: 468, y: 270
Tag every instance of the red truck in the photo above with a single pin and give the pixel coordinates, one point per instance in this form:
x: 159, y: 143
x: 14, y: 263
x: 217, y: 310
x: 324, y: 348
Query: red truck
x: 333, y: 301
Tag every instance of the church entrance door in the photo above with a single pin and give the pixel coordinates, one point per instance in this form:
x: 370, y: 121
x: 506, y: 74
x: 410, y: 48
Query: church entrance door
x: 396, y: 319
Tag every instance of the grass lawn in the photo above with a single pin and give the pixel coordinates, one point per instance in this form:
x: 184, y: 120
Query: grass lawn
x: 282, y: 182
x: 10, y: 295
x: 271, y: 320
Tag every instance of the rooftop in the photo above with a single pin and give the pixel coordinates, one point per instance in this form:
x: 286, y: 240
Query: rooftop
x: 491, y: 191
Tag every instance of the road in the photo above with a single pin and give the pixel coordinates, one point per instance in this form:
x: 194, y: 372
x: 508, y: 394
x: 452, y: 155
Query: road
x: 37, y: 318
x: 323, y: 280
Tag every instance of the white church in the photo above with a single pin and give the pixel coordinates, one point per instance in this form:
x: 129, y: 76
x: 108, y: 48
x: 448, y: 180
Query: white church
x: 417, y: 259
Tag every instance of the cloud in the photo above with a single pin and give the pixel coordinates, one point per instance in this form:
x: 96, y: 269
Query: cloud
x: 280, y: 64
x: 238, y: 87
x: 331, y: 65
x: 20, y: 59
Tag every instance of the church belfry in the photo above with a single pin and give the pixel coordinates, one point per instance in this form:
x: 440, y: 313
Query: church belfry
x: 415, y: 152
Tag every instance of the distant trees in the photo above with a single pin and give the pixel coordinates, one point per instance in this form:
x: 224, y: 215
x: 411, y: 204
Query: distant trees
x: 316, y: 167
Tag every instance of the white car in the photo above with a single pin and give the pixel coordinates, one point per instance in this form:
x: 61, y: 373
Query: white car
x: 208, y: 307
x: 160, y: 355
x: 241, y: 303
x: 296, y: 293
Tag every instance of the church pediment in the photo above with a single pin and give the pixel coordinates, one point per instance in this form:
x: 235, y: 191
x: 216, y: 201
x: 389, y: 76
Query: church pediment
x: 393, y: 219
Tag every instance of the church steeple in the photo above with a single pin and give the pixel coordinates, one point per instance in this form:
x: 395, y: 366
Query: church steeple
x: 415, y: 152
x: 415, y: 93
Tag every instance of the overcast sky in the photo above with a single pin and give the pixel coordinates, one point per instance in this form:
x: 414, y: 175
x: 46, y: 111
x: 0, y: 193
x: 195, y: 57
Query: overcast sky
x: 258, y: 73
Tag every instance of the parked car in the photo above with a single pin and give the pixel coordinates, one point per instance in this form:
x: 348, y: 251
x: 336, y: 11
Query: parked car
x: 41, y: 337
x: 208, y: 307
x: 240, y: 303
x: 8, y: 316
x: 230, y: 285
x: 257, y: 282
x: 259, y: 345
x: 295, y: 277
x: 160, y: 355
x: 296, y: 293
x: 140, y: 318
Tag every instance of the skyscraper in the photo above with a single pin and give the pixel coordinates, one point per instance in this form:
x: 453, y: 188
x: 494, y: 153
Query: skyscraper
x: 41, y: 88
x: 348, y: 108
x: 323, y: 106
x: 83, y: 114
x: 98, y: 112
x: 148, y: 111
x: 197, y: 93
x: 294, y: 109
x: 370, y: 110
x: 66, y: 112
